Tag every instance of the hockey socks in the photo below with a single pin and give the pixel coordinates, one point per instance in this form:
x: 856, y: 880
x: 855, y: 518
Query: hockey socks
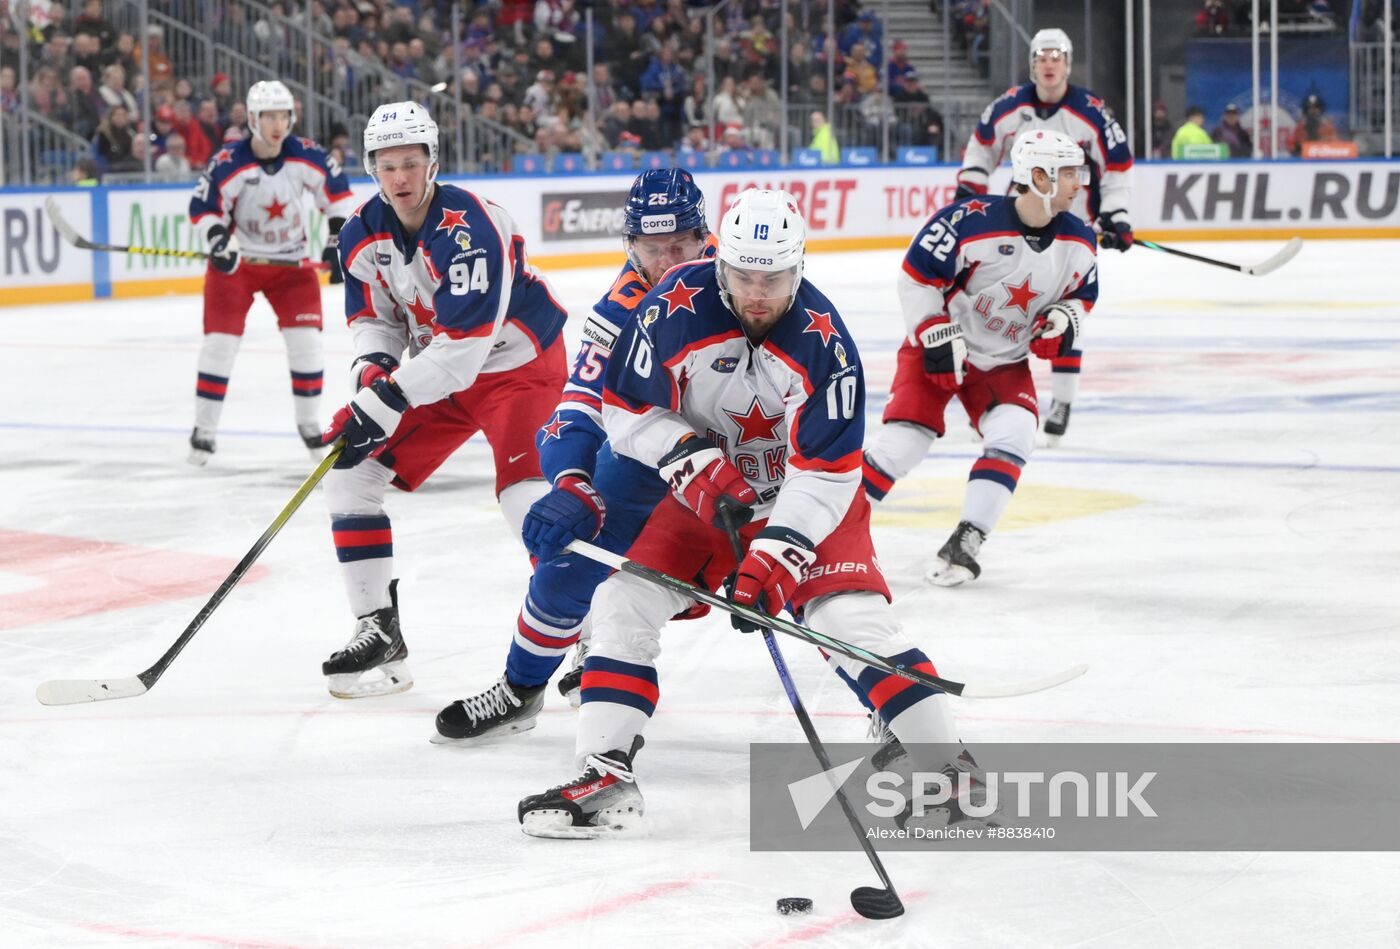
x: 364, y: 544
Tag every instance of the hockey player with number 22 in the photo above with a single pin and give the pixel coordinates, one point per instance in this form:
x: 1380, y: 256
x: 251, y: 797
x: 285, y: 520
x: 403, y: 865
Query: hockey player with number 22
x: 737, y: 383
x: 986, y: 283
x: 249, y: 201
x: 1048, y: 102
x: 596, y: 493
x: 440, y: 273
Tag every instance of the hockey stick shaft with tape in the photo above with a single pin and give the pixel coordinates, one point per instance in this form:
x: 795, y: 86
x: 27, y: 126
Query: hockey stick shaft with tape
x: 816, y: 638
x: 1289, y: 251
x: 82, y: 243
x: 76, y: 691
x: 870, y: 902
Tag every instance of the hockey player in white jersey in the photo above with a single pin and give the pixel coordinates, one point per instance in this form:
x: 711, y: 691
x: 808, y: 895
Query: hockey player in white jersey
x: 1049, y: 102
x: 442, y: 274
x: 986, y: 283
x: 249, y: 201
x: 738, y: 385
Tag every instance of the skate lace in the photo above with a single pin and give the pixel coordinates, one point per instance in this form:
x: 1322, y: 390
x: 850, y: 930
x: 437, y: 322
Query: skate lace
x: 368, y: 635
x: 495, y: 701
x: 877, y: 732
x: 604, y: 765
x: 971, y: 541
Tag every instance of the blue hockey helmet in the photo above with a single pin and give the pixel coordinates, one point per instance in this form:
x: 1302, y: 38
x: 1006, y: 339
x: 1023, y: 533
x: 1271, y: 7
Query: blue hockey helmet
x: 662, y: 202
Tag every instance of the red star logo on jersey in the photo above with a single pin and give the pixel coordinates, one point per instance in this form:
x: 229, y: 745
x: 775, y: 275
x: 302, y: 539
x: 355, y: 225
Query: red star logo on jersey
x: 1094, y: 102
x: 680, y: 297
x: 1019, y: 296
x: 555, y: 426
x: 977, y: 206
x: 276, y: 210
x: 754, y: 425
x: 451, y: 219
x: 423, y: 312
x: 820, y: 323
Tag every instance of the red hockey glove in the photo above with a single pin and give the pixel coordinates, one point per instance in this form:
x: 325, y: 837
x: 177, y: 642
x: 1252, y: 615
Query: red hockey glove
x: 1056, y: 329
x: 702, y: 477
x: 777, y: 562
x: 945, y: 353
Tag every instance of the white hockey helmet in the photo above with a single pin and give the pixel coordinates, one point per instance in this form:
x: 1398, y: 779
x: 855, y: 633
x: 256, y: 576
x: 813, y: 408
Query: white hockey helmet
x: 764, y: 231
x: 1049, y: 151
x: 401, y: 123
x: 1052, y: 39
x: 269, y: 96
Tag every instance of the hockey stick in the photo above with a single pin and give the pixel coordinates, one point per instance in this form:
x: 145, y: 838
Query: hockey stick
x: 778, y: 624
x: 82, y: 243
x: 1289, y: 251
x: 74, y: 691
x: 869, y: 901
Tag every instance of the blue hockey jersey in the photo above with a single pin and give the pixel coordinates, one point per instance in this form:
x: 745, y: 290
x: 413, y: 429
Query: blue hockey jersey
x: 789, y: 412
x: 459, y: 295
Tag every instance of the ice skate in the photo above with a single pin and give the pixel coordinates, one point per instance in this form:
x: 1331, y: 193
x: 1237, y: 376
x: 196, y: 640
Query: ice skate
x: 963, y: 775
x: 572, y: 681
x: 503, y: 709
x: 311, y: 438
x: 377, y: 648
x: 604, y: 800
x: 1056, y: 422
x: 201, y: 446
x: 957, y: 560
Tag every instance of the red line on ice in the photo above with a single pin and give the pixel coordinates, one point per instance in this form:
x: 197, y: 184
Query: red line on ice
x: 77, y: 577
x: 626, y: 901
x: 138, y: 933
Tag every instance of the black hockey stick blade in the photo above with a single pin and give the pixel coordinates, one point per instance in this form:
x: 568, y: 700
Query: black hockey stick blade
x: 77, y: 691
x: 812, y: 636
x: 875, y: 903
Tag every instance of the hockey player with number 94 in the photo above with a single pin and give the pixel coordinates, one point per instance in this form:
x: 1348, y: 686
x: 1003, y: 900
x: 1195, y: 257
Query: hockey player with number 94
x: 986, y: 283
x: 440, y: 274
x: 738, y: 385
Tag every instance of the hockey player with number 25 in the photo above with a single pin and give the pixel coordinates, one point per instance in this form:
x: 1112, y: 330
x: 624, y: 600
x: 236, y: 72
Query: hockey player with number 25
x: 249, y: 201
x: 737, y: 383
x: 440, y: 273
x: 986, y: 283
x: 1048, y: 102
x: 596, y: 493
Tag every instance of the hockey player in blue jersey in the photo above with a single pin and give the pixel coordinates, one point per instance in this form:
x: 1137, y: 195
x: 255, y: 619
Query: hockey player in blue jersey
x: 442, y: 275
x: 1049, y: 102
x: 987, y: 283
x: 249, y: 200
x: 739, y: 388
x: 593, y: 489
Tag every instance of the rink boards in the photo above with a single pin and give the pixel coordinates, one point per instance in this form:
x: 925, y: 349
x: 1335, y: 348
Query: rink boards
x: 575, y: 220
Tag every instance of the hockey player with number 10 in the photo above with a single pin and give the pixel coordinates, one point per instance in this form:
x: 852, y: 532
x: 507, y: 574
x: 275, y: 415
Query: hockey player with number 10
x: 986, y: 283
x: 738, y: 385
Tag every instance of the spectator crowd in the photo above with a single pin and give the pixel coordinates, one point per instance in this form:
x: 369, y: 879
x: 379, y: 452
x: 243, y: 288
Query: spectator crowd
x: 521, y: 64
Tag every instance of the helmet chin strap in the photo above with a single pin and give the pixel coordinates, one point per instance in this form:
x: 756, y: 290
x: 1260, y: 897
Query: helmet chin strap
x: 1045, y: 198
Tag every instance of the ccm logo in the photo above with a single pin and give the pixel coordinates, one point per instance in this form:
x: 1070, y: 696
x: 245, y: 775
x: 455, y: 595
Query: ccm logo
x: 827, y: 568
x: 755, y: 260
x: 659, y: 224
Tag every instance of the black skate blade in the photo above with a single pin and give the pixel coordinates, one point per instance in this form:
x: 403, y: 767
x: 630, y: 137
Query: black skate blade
x: 875, y: 903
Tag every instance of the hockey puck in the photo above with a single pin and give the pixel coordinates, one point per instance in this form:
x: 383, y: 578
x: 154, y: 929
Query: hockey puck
x: 794, y: 904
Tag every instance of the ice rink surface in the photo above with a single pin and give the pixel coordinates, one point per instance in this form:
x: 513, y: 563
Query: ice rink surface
x: 1216, y: 537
